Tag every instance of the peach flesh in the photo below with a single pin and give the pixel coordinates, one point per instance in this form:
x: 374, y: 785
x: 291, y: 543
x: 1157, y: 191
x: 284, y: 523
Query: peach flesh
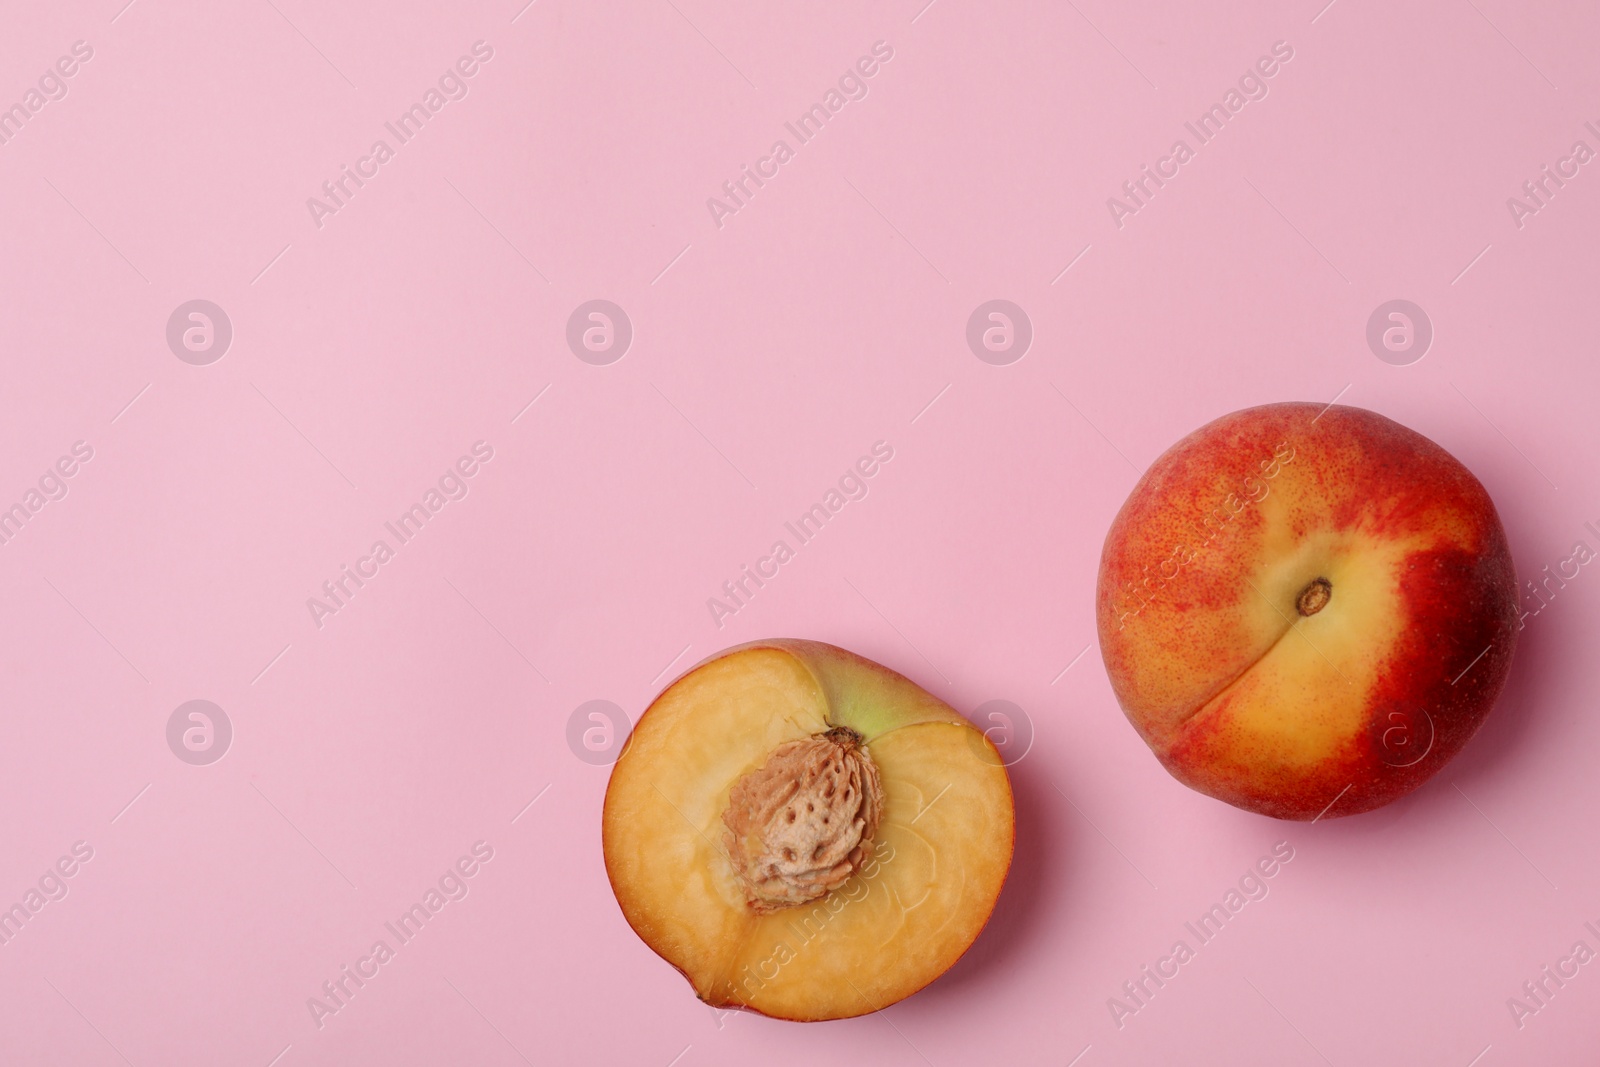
x: 938, y: 854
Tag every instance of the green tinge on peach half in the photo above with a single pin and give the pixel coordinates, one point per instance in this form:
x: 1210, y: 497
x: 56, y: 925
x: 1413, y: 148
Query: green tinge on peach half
x: 1306, y: 609
x: 909, y: 900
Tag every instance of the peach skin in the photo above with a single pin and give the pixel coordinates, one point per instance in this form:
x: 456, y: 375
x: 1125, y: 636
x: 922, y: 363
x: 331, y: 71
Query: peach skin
x: 1306, y: 610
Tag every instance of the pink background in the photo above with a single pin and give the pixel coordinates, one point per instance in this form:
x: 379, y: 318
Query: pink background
x: 827, y: 314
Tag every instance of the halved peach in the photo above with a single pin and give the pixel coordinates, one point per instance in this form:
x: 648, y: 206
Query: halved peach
x: 805, y: 833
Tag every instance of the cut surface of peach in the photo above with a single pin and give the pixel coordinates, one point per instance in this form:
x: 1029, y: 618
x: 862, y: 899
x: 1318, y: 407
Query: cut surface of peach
x: 902, y: 808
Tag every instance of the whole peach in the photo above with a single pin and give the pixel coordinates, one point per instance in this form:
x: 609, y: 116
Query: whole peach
x: 1306, y: 609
